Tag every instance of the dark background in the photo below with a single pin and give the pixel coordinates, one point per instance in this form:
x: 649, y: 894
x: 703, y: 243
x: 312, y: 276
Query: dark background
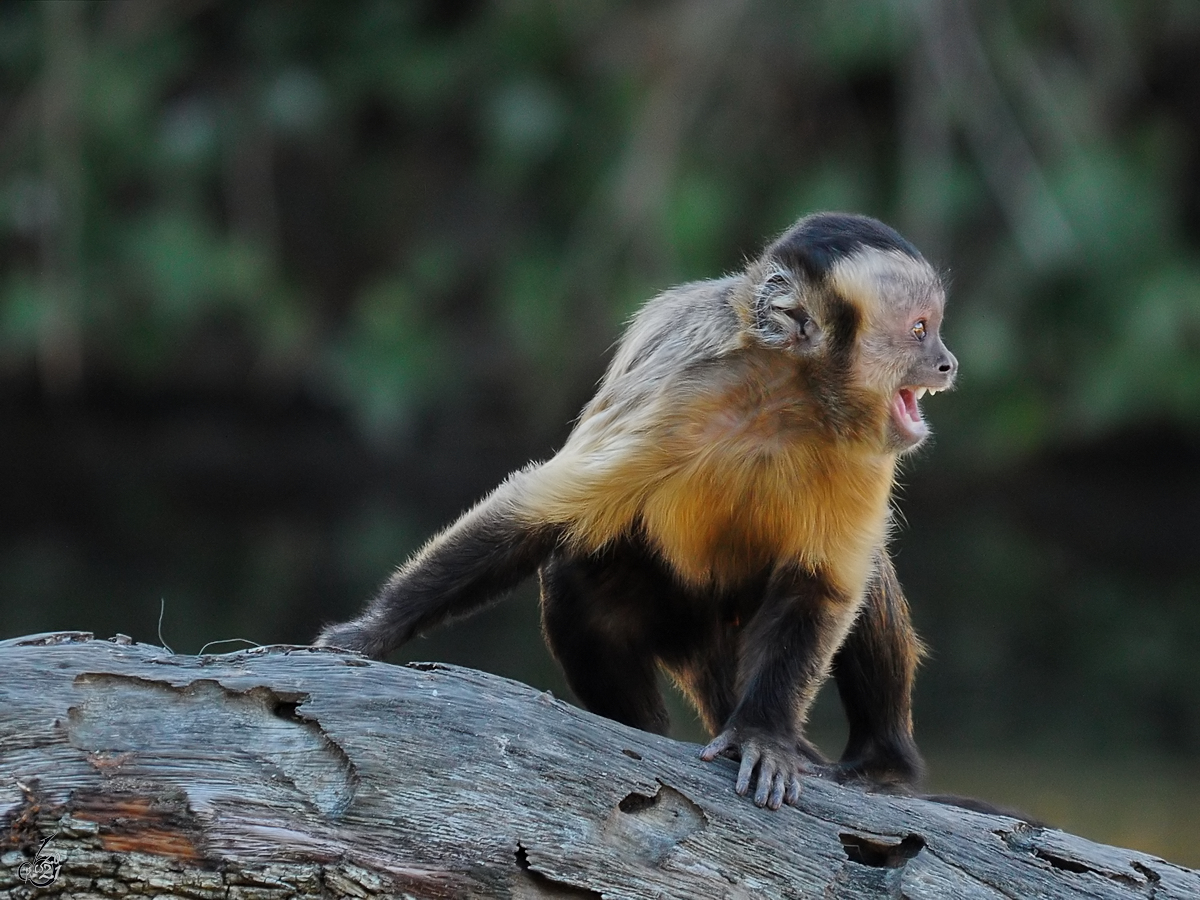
x: 284, y: 286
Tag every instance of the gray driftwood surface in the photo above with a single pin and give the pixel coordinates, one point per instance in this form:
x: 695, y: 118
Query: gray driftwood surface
x: 289, y: 771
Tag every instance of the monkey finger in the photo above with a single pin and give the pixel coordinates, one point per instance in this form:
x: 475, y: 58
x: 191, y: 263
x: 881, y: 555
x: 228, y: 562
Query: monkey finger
x: 792, y: 797
x: 718, y: 745
x: 778, y: 785
x: 767, y: 773
x: 750, y: 759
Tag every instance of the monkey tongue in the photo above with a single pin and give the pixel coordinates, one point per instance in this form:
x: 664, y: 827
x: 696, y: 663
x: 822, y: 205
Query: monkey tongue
x: 907, y: 414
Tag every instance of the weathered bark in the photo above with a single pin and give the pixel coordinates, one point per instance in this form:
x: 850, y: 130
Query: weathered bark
x: 289, y: 771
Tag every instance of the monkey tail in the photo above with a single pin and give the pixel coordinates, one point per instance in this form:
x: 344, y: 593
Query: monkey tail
x: 477, y: 560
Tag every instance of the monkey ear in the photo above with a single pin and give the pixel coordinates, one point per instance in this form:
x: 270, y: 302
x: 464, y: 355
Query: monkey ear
x: 805, y: 330
x: 782, y: 318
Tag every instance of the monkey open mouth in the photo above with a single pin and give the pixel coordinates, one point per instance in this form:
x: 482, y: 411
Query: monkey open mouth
x: 907, y: 414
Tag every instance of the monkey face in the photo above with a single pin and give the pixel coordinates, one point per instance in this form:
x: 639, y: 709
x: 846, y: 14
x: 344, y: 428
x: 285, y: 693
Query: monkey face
x: 900, y: 354
x: 871, y: 326
x: 911, y: 331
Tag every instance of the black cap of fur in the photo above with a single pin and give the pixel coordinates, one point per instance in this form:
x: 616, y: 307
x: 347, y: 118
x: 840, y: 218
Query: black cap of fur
x: 816, y: 242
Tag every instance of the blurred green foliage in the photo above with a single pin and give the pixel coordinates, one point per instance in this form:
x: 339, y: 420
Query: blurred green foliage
x: 285, y: 285
x: 351, y: 191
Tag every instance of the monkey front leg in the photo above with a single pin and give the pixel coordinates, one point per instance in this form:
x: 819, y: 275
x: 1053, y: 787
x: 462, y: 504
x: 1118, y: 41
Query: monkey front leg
x: 487, y: 552
x: 785, y: 655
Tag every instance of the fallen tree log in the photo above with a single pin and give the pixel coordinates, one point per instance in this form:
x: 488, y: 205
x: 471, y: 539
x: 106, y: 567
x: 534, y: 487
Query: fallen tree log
x: 290, y: 771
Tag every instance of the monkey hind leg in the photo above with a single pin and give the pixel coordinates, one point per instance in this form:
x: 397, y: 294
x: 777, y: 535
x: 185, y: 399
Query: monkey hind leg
x: 709, y: 681
x: 592, y: 625
x: 874, y: 670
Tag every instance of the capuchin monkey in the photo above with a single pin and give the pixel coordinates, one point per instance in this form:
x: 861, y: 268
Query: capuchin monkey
x: 721, y: 510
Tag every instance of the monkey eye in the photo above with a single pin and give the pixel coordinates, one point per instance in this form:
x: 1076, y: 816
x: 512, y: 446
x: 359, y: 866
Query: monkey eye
x: 918, y: 330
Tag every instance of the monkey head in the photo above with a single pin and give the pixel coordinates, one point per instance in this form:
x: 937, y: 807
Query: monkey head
x: 861, y: 306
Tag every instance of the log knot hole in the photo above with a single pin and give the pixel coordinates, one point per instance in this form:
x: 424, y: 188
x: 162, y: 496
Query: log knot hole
x: 874, y: 867
x: 651, y: 825
x: 879, y: 852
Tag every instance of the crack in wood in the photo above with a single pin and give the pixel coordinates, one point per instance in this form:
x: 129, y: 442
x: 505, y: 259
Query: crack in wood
x: 51, y: 639
x: 121, y: 717
x: 1026, y: 840
x: 1079, y: 868
x: 972, y: 876
x: 547, y: 886
x: 427, y: 666
x: 1150, y: 874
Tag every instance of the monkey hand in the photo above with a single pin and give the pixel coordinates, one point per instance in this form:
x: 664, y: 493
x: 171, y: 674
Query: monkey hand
x: 351, y: 636
x: 777, y: 759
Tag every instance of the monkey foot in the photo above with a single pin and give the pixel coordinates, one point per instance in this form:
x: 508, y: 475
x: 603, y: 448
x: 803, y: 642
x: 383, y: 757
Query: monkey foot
x: 891, y: 765
x: 773, y: 761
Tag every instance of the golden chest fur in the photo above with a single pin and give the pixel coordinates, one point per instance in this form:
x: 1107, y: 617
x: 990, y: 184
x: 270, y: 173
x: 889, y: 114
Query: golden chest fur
x: 732, y: 478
